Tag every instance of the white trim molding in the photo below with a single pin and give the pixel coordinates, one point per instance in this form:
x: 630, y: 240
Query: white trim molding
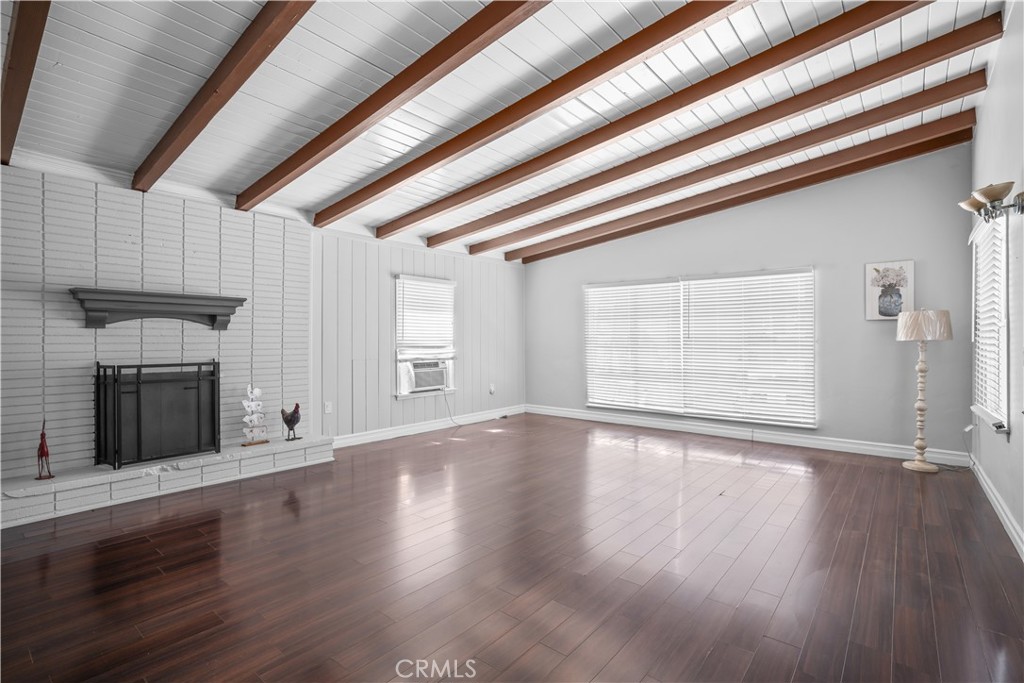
x: 421, y: 427
x: 885, y: 450
x: 1013, y: 529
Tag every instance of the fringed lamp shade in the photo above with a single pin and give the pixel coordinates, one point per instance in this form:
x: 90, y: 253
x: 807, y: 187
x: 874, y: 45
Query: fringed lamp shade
x: 924, y: 326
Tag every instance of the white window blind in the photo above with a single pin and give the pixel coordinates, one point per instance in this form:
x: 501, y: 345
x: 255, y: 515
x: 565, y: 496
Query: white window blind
x: 990, y: 343
x: 735, y: 348
x: 748, y: 348
x: 632, y: 339
x: 424, y: 318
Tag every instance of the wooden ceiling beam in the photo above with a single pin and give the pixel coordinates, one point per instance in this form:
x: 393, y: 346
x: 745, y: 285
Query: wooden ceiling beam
x: 815, y: 179
x: 483, y: 28
x: 673, y: 28
x: 912, y: 104
x: 936, y: 50
x: 28, y: 22
x: 670, y: 212
x: 251, y: 49
x: 813, y: 41
x: 841, y: 171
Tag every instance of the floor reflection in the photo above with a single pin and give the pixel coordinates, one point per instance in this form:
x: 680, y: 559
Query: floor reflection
x: 527, y: 540
x: 293, y: 505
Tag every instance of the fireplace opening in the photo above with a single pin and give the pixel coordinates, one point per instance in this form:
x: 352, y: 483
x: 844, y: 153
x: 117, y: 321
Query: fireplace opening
x: 149, y: 412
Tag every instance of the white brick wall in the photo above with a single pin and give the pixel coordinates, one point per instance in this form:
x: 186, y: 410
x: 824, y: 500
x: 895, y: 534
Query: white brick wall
x: 60, y: 232
x: 26, y: 500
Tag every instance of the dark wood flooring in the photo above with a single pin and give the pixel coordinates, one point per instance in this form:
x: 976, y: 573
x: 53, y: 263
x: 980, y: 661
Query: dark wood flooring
x: 531, y: 548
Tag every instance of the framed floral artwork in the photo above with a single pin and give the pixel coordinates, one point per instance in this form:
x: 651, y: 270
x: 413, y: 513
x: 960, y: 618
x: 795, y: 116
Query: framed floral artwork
x: 888, y: 289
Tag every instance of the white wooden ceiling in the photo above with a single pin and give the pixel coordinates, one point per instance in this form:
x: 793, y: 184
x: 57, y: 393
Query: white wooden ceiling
x: 111, y: 78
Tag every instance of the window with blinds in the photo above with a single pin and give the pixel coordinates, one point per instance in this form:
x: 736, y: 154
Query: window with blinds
x: 633, y: 346
x: 990, y: 326
x: 424, y: 334
x: 424, y: 317
x: 748, y: 348
x: 736, y: 348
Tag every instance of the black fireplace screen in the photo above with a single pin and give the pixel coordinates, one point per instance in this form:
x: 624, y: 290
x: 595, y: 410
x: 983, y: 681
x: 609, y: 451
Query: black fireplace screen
x: 148, y: 412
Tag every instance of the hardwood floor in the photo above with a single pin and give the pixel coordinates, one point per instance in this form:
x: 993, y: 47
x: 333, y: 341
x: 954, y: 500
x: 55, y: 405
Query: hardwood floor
x: 530, y: 548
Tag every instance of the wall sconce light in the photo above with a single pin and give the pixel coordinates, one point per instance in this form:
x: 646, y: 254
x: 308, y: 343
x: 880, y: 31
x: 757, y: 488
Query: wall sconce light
x: 987, y: 201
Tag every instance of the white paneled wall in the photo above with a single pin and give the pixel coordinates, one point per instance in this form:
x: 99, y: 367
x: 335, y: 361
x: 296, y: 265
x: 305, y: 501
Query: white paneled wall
x: 59, y: 233
x: 354, y: 334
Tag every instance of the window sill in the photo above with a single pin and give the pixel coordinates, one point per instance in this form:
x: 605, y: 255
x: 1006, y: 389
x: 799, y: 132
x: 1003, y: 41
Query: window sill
x: 705, y: 416
x: 423, y: 394
x: 994, y: 422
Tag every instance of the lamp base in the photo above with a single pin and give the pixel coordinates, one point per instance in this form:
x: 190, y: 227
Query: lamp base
x: 920, y: 466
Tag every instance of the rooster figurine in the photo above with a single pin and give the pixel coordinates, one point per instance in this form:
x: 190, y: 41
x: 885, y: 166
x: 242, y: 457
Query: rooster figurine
x: 290, y: 421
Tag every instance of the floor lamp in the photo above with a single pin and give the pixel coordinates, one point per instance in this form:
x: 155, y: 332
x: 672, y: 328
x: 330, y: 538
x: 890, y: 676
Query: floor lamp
x: 922, y: 327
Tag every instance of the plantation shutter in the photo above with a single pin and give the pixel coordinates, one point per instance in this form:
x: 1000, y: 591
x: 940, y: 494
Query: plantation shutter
x: 748, y: 348
x: 990, y: 347
x: 424, y: 317
x: 632, y: 340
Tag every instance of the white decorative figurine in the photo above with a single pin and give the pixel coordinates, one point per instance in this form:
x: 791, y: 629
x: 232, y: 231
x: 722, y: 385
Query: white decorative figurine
x: 255, y: 431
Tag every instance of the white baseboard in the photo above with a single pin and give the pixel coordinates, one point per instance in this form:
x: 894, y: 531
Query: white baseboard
x: 421, y: 427
x: 749, y: 433
x: 1013, y: 529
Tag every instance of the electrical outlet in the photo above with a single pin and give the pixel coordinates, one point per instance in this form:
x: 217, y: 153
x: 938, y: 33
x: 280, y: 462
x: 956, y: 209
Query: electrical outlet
x: 492, y: 389
x: 328, y: 406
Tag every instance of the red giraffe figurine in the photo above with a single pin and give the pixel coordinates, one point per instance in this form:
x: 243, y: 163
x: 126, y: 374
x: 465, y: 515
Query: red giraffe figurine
x: 43, y: 456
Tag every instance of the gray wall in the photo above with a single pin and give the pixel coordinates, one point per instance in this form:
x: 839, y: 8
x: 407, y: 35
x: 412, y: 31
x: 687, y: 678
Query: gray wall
x: 866, y: 379
x: 999, y: 156
x: 60, y: 232
x: 354, y: 328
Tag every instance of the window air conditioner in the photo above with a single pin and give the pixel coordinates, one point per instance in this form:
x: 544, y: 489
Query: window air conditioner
x: 429, y: 375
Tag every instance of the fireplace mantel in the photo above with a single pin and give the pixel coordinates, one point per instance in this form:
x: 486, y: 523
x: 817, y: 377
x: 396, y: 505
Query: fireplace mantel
x: 106, y: 306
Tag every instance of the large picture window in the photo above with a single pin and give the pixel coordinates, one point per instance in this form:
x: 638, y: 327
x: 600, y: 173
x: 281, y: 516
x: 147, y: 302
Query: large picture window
x: 424, y: 334
x: 633, y: 346
x: 988, y: 241
x: 735, y: 348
